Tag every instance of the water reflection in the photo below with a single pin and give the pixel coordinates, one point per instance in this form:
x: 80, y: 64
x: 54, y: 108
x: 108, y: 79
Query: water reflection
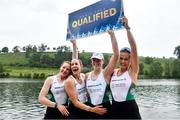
x: 18, y: 100
x: 178, y: 99
x: 157, y: 99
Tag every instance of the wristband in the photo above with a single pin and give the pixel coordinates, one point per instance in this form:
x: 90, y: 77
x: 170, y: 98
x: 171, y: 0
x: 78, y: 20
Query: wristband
x: 55, y: 105
x: 126, y: 26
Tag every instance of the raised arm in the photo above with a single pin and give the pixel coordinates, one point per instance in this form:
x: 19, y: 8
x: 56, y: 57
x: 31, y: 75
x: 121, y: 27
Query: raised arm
x: 114, y: 58
x: 134, y: 53
x: 74, y: 52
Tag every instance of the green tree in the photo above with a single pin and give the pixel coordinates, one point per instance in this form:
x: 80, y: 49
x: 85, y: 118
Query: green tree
x: 28, y: 49
x: 141, y: 68
x: 54, y: 48
x: 85, y: 57
x: 34, y: 49
x: 59, y: 58
x: 155, y: 70
x: 5, y: 50
x: 46, y: 60
x: 168, y: 68
x: 16, y: 49
x: 148, y: 60
x: 167, y: 71
x: 42, y: 48
x: 34, y: 60
x: 176, y: 69
x: 63, y: 53
x: 177, y: 51
x: 63, y: 48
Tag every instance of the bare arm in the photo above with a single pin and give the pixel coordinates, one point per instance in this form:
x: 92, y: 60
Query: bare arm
x: 75, y: 52
x: 114, y: 58
x: 43, y: 93
x: 134, y: 53
x: 71, y: 91
x: 44, y: 101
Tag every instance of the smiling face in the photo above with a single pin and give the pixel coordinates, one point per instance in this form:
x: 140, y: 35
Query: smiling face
x: 65, y: 70
x: 124, y: 60
x: 97, y: 63
x: 75, y: 66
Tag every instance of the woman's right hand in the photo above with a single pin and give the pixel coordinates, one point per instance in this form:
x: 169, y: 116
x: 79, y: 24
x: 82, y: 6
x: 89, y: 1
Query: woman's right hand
x: 124, y: 21
x: 63, y: 110
x: 99, y: 110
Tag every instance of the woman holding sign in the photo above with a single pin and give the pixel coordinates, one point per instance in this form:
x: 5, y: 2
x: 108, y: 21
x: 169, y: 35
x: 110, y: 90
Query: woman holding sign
x: 124, y: 80
x: 97, y: 82
x: 76, y: 90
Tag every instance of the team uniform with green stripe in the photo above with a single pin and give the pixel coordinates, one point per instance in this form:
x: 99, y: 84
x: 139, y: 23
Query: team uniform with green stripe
x: 99, y: 93
x: 76, y: 113
x: 57, y: 91
x: 56, y: 94
x: 124, y: 105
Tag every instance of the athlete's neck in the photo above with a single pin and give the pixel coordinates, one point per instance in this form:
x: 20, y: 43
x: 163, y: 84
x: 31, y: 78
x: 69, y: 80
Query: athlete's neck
x: 97, y: 71
x: 77, y: 77
x: 121, y: 70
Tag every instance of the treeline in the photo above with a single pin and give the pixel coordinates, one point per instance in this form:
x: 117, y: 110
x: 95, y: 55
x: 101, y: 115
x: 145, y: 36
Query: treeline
x: 150, y: 67
x: 27, y: 48
x: 159, y: 67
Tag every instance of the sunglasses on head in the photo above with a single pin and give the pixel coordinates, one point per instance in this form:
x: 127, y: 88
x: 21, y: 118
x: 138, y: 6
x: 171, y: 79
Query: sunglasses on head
x: 125, y: 49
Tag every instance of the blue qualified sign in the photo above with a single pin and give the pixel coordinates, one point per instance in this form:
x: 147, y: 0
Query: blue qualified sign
x: 95, y: 19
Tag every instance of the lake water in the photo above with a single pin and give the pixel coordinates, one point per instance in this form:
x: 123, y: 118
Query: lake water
x: 157, y: 99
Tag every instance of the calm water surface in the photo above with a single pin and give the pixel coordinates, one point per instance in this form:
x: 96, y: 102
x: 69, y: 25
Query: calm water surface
x: 157, y: 99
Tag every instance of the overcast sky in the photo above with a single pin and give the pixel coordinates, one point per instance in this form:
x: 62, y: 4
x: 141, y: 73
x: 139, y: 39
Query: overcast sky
x: 154, y: 24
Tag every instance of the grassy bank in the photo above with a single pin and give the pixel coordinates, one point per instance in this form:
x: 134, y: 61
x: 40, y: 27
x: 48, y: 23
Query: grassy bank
x: 18, y: 71
x: 13, y: 59
x: 18, y: 65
